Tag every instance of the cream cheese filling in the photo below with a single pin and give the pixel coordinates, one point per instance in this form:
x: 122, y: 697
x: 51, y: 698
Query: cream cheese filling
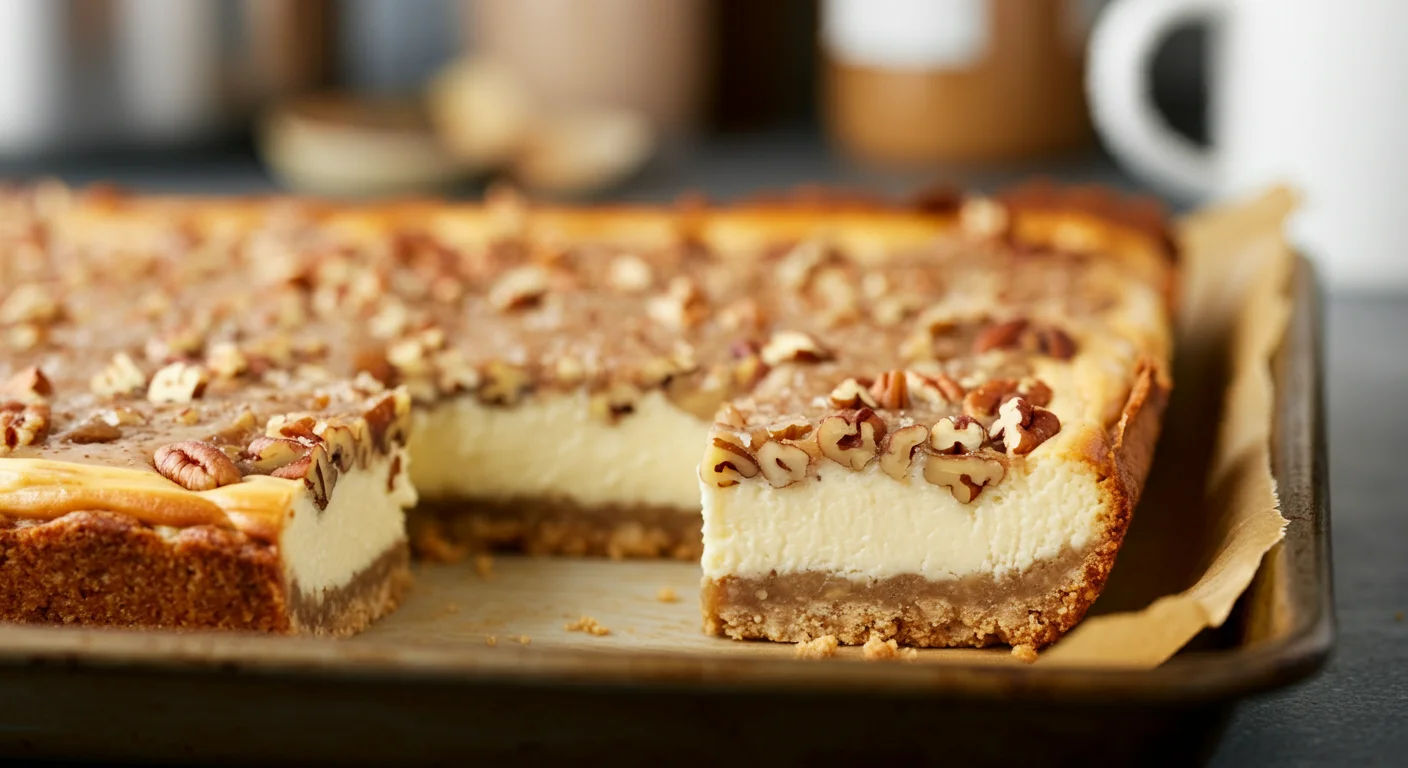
x: 551, y: 447
x: 324, y: 549
x: 869, y: 526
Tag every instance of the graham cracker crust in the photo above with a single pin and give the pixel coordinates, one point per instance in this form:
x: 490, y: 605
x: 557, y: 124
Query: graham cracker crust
x: 108, y: 569
x: 351, y: 608
x: 446, y: 530
x: 1033, y: 608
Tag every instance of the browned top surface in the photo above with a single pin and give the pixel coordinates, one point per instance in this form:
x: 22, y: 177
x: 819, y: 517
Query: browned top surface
x: 501, y: 300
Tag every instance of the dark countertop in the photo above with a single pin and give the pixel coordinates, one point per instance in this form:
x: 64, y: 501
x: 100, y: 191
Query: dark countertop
x: 1356, y: 711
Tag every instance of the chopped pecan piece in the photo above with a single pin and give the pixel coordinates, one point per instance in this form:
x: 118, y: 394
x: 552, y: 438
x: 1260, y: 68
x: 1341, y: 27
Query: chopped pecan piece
x: 783, y: 464
x: 196, y: 466
x: 1023, y: 334
x: 898, y: 454
x: 983, y: 400
x: 121, y: 376
x: 964, y: 476
x: 519, y: 288
x: 793, y: 347
x: 177, y: 383
x: 1022, y: 426
x: 934, y: 390
x: 22, y: 424
x: 852, y: 394
x: 726, y: 461
x: 959, y: 434
x: 92, y: 432
x: 267, y: 454
x: 29, y: 385
x: 891, y: 390
x: 851, y: 441
x: 983, y: 217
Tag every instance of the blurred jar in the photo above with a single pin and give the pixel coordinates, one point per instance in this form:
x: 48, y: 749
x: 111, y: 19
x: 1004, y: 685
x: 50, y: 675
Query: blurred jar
x: 648, y: 56
x: 106, y: 74
x: 930, y: 81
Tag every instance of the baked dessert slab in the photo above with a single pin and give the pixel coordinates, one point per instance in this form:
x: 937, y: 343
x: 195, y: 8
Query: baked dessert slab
x: 555, y: 374
x: 962, y: 479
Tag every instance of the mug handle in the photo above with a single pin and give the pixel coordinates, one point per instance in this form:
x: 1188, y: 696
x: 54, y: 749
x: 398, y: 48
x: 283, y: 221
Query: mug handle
x: 1122, y: 47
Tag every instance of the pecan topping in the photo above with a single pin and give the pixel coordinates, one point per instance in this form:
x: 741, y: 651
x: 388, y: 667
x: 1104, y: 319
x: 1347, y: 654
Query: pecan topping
x: 1003, y: 335
x: 934, y: 390
x: 683, y: 305
x: 28, y: 302
x: 983, y: 218
x: 267, y: 454
x: 964, y: 476
x: 983, y: 400
x: 793, y: 347
x: 120, y: 377
x: 1022, y: 334
x: 615, y: 401
x: 783, y: 464
x: 630, y: 274
x: 29, y: 385
x: 91, y: 432
x: 226, y: 360
x: 853, y: 441
x: 177, y: 383
x: 503, y: 383
x: 22, y: 424
x: 519, y: 288
x: 898, y: 454
x: 852, y: 394
x: 726, y: 462
x: 196, y: 466
x: 1022, y: 426
x: 959, y: 434
x: 794, y: 428
x: 891, y: 390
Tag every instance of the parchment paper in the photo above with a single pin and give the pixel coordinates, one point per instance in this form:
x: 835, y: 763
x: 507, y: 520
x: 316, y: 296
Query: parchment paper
x: 1209, y: 511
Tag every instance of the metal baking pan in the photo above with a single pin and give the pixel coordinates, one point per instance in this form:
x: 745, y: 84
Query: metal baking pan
x: 403, y: 694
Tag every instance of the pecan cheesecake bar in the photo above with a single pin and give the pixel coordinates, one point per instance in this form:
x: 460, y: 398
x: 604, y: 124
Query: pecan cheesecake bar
x: 548, y: 379
x: 960, y: 473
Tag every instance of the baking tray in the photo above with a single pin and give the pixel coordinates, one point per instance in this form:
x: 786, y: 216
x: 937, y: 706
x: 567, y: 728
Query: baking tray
x: 425, y: 685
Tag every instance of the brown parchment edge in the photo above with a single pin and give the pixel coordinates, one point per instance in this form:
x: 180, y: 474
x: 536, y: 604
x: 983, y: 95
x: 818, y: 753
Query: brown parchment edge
x: 1235, y: 284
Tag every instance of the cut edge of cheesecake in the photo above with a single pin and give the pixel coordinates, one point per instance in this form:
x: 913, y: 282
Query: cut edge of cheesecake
x: 1029, y: 601
x: 307, y: 566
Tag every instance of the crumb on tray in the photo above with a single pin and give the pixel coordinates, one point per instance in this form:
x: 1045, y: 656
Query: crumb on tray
x: 484, y: 566
x: 666, y: 595
x: 491, y: 641
x: 823, y: 647
x: 1024, y: 653
x: 523, y: 639
x: 429, y: 542
x: 588, y: 625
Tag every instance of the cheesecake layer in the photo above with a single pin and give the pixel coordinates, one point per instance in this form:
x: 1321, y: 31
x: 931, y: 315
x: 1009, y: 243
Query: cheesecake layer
x: 323, y: 550
x: 867, y: 526
x: 553, y: 447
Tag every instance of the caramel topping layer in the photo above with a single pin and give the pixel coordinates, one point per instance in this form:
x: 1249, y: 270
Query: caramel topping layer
x: 43, y: 489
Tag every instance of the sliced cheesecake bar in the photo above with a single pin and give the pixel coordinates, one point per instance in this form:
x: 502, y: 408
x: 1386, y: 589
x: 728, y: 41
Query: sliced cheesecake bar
x: 964, y: 477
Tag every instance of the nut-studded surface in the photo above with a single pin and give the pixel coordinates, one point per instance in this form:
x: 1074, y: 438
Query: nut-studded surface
x: 236, y: 323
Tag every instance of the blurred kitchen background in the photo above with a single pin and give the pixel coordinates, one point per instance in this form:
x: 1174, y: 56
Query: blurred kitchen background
x: 595, y: 99
x: 591, y: 100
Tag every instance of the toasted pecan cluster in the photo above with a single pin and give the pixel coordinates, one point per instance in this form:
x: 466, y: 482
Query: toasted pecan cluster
x: 873, y: 421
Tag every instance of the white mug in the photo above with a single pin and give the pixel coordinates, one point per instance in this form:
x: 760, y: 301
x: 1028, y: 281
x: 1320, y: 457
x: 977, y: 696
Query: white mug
x: 1313, y: 93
